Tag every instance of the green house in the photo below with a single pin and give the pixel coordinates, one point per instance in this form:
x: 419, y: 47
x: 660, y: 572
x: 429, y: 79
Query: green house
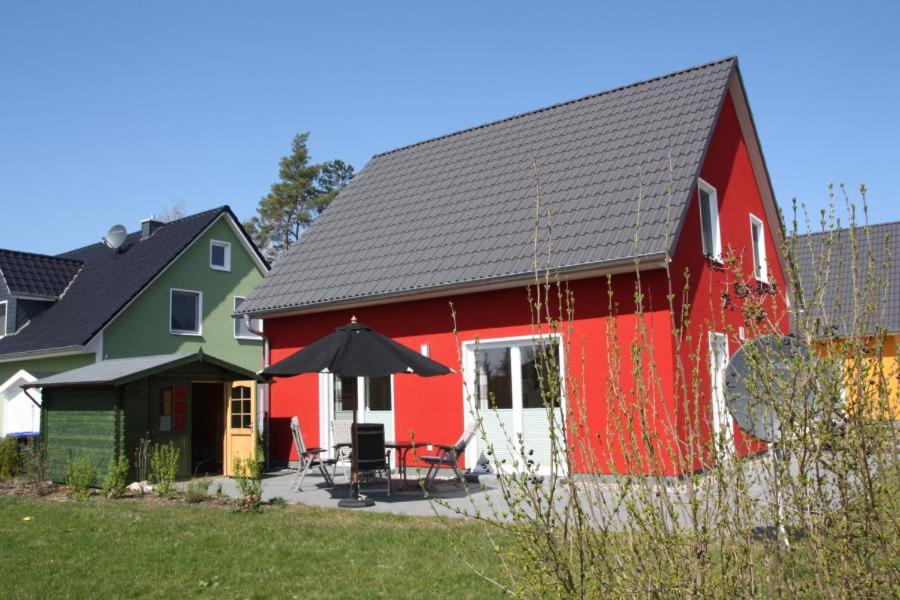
x: 105, y: 410
x: 165, y: 289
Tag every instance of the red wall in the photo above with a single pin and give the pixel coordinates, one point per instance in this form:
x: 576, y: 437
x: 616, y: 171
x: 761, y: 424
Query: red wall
x: 728, y: 169
x: 432, y: 408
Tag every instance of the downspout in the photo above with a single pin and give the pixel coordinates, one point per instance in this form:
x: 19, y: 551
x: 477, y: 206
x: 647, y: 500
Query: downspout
x: 248, y: 323
x: 30, y: 397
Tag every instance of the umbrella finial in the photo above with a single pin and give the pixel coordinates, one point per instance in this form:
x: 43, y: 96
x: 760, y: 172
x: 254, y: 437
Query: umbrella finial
x: 353, y: 319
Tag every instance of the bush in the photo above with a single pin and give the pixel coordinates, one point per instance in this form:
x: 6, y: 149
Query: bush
x: 164, y: 466
x: 34, y: 466
x: 9, y: 458
x: 80, y: 476
x: 197, y: 491
x: 116, y: 477
x: 248, y: 477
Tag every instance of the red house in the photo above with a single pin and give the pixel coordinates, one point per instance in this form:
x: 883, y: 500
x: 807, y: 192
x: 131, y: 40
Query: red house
x: 668, y: 169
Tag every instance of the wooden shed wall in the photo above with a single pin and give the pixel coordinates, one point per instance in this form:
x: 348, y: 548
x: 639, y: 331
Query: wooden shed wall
x: 80, y: 422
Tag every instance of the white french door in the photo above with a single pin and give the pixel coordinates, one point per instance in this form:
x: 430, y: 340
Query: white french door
x: 503, y: 387
x: 722, y: 422
x: 339, y: 395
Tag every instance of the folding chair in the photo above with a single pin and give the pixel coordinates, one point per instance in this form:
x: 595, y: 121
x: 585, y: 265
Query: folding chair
x: 309, y: 458
x: 341, y: 434
x: 372, y: 456
x: 448, y: 456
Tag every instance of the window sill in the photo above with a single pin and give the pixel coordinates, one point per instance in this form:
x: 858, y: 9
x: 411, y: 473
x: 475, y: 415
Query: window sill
x: 188, y: 333
x: 223, y: 269
x: 249, y: 338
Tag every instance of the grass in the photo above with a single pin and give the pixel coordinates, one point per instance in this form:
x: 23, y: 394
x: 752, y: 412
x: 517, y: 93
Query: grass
x: 103, y: 548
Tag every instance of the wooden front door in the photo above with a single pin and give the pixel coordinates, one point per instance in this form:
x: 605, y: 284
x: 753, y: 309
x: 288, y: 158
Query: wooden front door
x: 240, y: 422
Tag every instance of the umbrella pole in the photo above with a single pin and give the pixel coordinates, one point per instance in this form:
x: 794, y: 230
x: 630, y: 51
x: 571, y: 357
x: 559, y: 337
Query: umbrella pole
x: 354, y: 501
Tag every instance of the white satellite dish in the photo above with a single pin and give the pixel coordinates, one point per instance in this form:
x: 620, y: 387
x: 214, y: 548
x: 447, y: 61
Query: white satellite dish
x: 115, y: 237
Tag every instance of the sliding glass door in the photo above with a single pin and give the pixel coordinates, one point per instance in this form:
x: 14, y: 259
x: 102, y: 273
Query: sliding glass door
x: 516, y: 387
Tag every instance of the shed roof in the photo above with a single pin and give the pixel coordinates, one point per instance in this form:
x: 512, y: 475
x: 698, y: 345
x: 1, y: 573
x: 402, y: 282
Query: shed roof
x: 460, y: 209
x: 123, y: 370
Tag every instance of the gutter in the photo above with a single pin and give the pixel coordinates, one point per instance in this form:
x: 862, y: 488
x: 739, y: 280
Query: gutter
x: 30, y: 397
x: 46, y: 353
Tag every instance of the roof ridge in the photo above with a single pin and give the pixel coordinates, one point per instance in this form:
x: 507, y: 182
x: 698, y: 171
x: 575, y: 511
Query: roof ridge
x: 558, y: 105
x: 39, y: 255
x: 218, y: 209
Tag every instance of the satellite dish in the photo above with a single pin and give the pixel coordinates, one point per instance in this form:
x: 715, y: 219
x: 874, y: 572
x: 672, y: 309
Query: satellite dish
x: 768, y: 363
x: 115, y: 237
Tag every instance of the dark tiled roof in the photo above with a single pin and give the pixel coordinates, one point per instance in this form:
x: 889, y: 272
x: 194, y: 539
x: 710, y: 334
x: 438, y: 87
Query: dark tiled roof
x: 833, y: 278
x: 30, y: 274
x: 461, y: 208
x: 106, y: 283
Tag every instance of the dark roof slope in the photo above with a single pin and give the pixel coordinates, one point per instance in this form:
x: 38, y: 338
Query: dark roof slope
x: 36, y: 274
x: 833, y: 281
x: 461, y: 208
x: 106, y: 283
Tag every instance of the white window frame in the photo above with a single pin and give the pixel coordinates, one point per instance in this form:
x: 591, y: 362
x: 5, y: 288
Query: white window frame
x: 471, y: 393
x: 715, y: 253
x: 327, y: 412
x: 199, y: 331
x: 4, y: 331
x: 718, y: 409
x: 763, y: 267
x: 227, y: 247
x: 259, y: 322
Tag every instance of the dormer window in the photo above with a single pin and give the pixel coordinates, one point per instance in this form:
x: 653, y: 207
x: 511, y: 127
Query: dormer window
x: 709, y: 221
x: 3, y: 312
x: 219, y: 255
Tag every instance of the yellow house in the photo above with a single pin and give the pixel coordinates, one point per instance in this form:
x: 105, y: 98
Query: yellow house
x: 849, y: 299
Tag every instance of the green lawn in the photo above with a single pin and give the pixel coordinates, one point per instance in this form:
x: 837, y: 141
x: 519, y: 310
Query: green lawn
x: 127, y: 548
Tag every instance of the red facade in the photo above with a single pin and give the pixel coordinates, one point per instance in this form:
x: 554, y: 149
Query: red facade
x: 433, y: 408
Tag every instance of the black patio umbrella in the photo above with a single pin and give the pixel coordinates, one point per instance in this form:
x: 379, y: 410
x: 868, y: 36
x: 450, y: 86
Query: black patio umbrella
x: 355, y: 350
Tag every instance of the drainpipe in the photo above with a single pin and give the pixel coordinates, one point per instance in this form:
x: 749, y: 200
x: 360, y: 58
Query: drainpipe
x: 248, y: 322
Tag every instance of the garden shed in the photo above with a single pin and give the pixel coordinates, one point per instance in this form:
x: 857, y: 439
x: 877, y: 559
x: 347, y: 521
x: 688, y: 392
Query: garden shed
x: 205, y: 406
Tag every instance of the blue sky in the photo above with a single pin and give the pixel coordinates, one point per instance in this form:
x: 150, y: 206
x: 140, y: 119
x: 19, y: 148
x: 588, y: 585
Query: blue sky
x: 110, y: 112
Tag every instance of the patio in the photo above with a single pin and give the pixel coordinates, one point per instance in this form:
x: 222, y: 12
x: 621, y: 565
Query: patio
x: 409, y: 501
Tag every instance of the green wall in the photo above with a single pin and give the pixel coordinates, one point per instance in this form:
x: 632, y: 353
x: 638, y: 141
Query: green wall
x: 80, y: 422
x: 56, y: 364
x: 143, y: 329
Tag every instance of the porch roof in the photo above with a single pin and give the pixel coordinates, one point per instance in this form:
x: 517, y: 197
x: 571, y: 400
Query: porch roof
x: 123, y: 370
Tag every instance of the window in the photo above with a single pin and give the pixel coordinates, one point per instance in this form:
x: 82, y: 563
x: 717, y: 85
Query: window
x: 172, y: 408
x: 494, y: 374
x: 539, y: 367
x: 3, y: 318
x: 185, y: 307
x: 758, y: 240
x: 378, y: 393
x: 241, y: 407
x: 709, y: 221
x: 241, y: 331
x: 345, y: 394
x: 219, y: 255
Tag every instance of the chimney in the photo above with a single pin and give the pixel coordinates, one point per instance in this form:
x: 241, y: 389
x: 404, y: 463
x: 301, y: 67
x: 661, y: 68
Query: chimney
x: 149, y: 226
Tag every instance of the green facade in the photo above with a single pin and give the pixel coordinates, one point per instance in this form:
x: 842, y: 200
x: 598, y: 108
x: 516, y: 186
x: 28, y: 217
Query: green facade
x: 143, y: 329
